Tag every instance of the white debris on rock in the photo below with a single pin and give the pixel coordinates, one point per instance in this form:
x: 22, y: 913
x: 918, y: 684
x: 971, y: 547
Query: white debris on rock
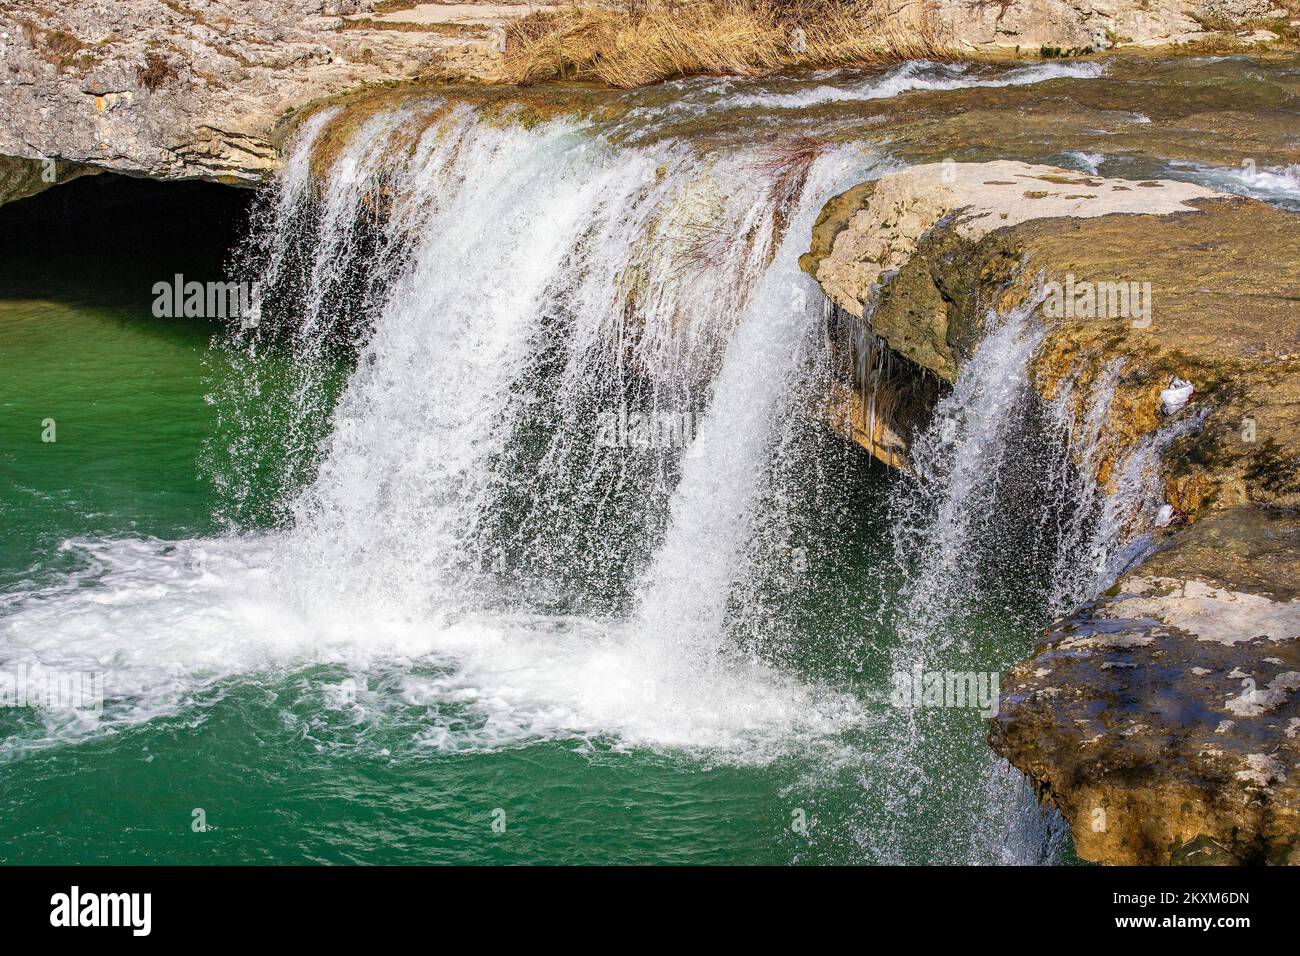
x: 1176, y: 395
x: 1262, y: 770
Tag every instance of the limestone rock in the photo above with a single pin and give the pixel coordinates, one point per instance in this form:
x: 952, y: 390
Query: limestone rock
x: 1064, y: 27
x: 869, y: 240
x: 194, y: 90
x: 20, y: 178
x: 929, y: 250
x: 1165, y: 717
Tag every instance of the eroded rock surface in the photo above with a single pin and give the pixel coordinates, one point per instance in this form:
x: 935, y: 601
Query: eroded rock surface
x: 1079, y: 25
x: 870, y: 238
x: 171, y: 89
x: 1162, y: 719
x: 929, y: 253
x: 20, y: 178
x: 196, y: 88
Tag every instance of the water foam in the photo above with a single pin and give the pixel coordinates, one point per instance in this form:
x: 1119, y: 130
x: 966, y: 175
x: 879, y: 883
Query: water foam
x: 1275, y: 184
x: 504, y: 247
x: 848, y: 86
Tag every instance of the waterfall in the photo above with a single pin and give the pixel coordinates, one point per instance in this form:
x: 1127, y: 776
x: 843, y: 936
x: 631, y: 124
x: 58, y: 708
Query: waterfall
x: 1006, y: 516
x: 654, y: 280
x: 954, y: 521
x: 951, y: 519
x: 504, y: 411
x: 513, y: 433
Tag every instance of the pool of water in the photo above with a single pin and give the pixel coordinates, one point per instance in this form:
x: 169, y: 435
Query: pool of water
x: 362, y: 592
x: 368, y: 758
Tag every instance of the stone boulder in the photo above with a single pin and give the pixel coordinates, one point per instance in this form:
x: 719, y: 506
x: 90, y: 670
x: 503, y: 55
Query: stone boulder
x: 1163, y: 719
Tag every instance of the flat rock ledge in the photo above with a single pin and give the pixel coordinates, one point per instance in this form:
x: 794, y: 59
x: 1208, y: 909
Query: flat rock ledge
x: 863, y: 240
x: 1163, y: 718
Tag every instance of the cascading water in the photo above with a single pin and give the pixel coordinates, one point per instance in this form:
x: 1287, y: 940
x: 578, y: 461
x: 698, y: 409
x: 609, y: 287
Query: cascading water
x: 516, y: 449
x: 464, y: 508
x: 1006, y: 490
x: 546, y: 246
x: 950, y: 524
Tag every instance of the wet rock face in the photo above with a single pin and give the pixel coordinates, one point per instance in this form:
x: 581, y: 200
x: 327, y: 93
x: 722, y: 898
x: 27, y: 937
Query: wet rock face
x: 1164, y: 718
x: 929, y: 251
x: 194, y: 90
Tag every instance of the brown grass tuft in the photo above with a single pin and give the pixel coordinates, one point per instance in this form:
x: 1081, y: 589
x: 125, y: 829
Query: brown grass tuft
x: 59, y: 48
x: 402, y: 26
x: 702, y: 247
x: 156, y: 71
x: 652, y: 40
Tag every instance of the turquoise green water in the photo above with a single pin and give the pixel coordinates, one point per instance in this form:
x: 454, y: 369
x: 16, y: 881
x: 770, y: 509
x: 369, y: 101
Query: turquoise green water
x: 120, y: 391
x: 281, y: 771
x: 277, y: 783
x: 284, y: 779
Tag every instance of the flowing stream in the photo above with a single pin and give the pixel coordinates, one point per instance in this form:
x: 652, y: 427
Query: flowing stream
x: 516, y: 504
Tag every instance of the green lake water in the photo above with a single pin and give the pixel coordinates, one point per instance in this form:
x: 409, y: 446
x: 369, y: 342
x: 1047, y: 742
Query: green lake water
x: 279, y: 782
x: 280, y: 776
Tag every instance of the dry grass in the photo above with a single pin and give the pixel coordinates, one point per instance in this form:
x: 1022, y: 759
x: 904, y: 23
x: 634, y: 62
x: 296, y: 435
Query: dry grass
x: 59, y: 48
x: 655, y: 40
x: 156, y: 72
x: 401, y: 26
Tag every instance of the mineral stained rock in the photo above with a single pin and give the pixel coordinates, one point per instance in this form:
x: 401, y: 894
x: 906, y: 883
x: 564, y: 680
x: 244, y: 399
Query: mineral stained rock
x: 1163, y: 719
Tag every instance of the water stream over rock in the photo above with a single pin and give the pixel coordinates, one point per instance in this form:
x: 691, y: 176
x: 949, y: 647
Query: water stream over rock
x: 519, y: 455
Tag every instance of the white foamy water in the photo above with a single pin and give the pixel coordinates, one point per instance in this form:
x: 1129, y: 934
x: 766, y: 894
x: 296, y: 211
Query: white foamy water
x: 170, y: 624
x: 958, y: 461
x: 1088, y: 162
x: 848, y: 86
x: 1275, y: 184
x: 501, y: 245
